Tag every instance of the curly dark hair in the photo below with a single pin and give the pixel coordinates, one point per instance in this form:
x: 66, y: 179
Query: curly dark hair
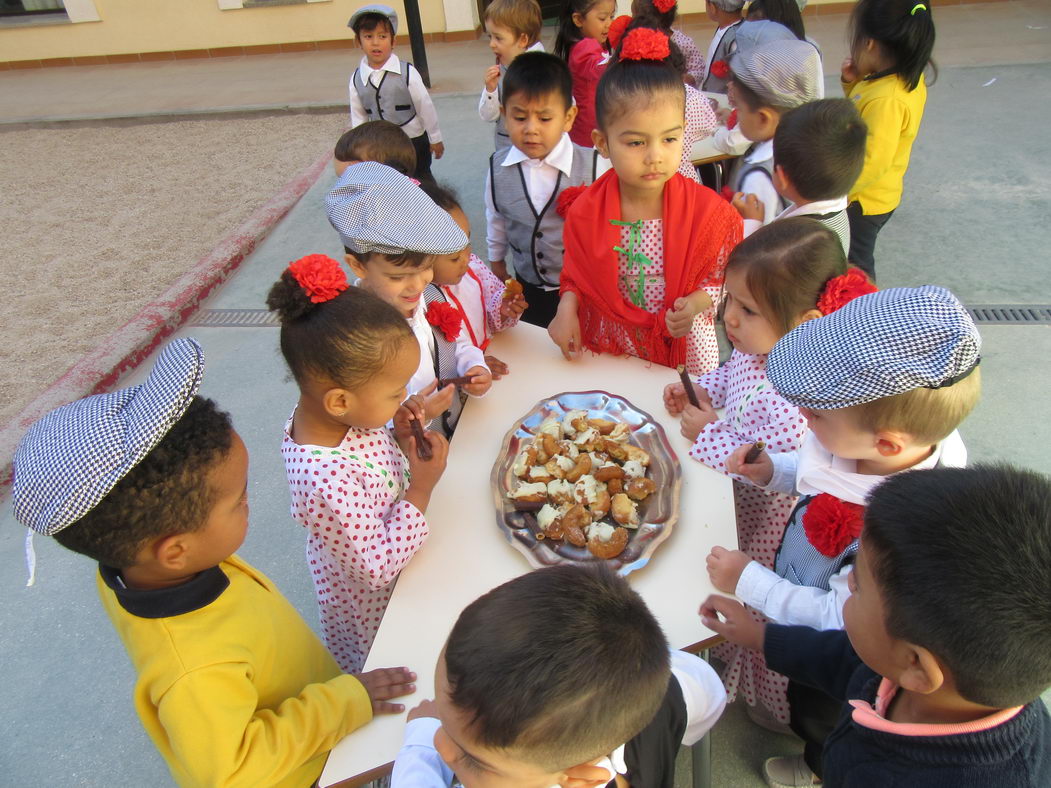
x: 166, y: 493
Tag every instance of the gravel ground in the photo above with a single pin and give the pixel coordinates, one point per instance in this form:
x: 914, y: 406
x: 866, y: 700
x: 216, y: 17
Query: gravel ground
x: 100, y: 219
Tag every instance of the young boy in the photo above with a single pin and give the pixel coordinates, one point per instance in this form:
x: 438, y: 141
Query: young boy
x: 819, y: 149
x: 513, y: 27
x: 947, y: 645
x: 768, y: 79
x: 524, y: 182
x: 883, y: 382
x: 382, y: 87
x: 150, y: 481
x: 376, y: 140
x: 727, y: 16
x: 561, y: 676
x: 391, y: 231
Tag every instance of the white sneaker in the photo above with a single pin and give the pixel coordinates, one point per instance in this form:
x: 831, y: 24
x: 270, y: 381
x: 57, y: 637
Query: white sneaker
x: 790, y: 771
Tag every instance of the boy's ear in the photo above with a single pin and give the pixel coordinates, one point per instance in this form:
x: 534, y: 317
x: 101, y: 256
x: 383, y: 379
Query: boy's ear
x: 522, y: 42
x: 571, y: 116
x: 890, y: 443
x: 170, y: 552
x: 585, y: 775
x: 355, y: 265
x: 600, y: 142
x: 923, y: 673
x: 781, y: 181
x: 769, y: 119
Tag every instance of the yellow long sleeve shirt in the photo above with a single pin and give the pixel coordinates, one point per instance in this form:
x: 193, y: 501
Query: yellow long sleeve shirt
x: 893, y: 114
x: 233, y: 686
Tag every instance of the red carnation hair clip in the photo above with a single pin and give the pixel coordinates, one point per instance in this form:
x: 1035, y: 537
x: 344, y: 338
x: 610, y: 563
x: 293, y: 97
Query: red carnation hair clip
x: 567, y: 198
x: 616, y: 30
x: 664, y: 6
x: 321, y: 277
x: 644, y: 43
x: 839, y: 290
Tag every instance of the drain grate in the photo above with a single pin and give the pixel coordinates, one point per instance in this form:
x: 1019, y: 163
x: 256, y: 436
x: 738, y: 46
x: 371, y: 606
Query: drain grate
x: 235, y: 318
x: 1011, y: 314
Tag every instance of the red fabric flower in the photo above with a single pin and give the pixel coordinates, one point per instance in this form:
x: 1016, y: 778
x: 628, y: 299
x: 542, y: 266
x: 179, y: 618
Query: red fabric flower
x: 321, y: 277
x: 644, y: 43
x: 616, y: 30
x: 731, y: 121
x: 721, y: 69
x: 831, y: 524
x: 844, y: 288
x: 664, y: 6
x: 727, y: 193
x: 446, y: 318
x: 567, y: 198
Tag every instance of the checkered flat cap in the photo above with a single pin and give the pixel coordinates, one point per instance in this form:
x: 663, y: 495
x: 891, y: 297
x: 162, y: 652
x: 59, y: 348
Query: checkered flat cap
x: 71, y: 458
x: 728, y: 5
x: 376, y: 8
x: 780, y: 69
x: 876, y: 346
x: 377, y: 209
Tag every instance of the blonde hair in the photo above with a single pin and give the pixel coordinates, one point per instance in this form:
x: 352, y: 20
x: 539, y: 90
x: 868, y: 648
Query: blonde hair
x: 927, y: 415
x: 521, y: 17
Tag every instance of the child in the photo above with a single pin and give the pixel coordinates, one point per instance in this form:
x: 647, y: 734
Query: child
x: 524, y: 188
x: 947, y: 648
x: 382, y: 87
x: 768, y: 80
x: 819, y: 149
x: 727, y: 16
x: 376, y: 140
x: 150, y: 481
x: 627, y: 285
x: 513, y: 27
x: 351, y: 355
x: 583, y: 28
x: 784, y: 12
x: 784, y: 275
x: 391, y: 231
x: 579, y: 695
x: 466, y: 283
x: 661, y: 14
x: 890, y: 48
x: 883, y: 383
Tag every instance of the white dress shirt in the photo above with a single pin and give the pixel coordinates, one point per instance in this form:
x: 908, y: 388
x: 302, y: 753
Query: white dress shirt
x: 489, y: 103
x: 758, y: 183
x: 467, y: 355
x: 816, y: 208
x: 426, y: 116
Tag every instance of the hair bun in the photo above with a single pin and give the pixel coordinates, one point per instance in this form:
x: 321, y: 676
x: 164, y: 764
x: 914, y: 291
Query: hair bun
x: 307, y: 282
x: 645, y: 43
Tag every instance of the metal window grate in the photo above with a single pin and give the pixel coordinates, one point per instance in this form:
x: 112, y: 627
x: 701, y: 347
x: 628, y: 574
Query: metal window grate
x: 236, y: 318
x: 1011, y: 314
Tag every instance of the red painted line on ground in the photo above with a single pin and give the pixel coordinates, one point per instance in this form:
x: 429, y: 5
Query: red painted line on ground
x: 136, y: 340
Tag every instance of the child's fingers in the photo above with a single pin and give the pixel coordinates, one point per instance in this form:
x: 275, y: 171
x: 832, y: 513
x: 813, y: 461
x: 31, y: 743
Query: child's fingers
x: 429, y: 389
x: 386, y: 707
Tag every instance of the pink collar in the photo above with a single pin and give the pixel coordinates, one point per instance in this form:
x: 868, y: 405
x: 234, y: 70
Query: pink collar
x: 875, y: 717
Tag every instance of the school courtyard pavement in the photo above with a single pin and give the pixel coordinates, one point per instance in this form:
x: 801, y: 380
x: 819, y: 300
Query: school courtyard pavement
x: 974, y: 218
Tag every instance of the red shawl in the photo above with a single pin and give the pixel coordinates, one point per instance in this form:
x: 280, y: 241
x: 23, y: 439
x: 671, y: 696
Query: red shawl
x: 700, y: 229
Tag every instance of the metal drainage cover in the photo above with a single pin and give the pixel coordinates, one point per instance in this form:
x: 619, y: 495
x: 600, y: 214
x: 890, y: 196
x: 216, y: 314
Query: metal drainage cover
x: 236, y: 318
x: 1011, y: 314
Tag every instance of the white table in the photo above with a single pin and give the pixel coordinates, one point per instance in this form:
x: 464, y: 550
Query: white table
x: 703, y: 151
x: 467, y: 554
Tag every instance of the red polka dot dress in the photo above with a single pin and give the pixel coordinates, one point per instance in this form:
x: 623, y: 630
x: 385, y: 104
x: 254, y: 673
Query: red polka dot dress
x: 702, y: 347
x: 700, y: 124
x: 753, y: 411
x: 360, y: 532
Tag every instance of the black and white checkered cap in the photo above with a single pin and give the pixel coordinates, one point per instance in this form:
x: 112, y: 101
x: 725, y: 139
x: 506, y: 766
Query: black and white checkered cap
x: 375, y: 208
x: 876, y: 346
x: 376, y: 8
x: 777, y: 66
x: 71, y: 458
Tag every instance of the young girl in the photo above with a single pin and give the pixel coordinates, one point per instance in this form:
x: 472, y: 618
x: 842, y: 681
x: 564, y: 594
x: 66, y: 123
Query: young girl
x: 661, y: 14
x: 776, y: 279
x: 582, y: 31
x: 349, y: 475
x: 471, y: 287
x: 891, y: 43
x: 627, y: 285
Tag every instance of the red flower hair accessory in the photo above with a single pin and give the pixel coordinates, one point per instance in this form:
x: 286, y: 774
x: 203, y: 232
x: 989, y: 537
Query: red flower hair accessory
x: 567, y: 198
x: 720, y: 68
x: 844, y: 288
x: 731, y: 120
x: 644, y: 43
x: 446, y: 318
x: 831, y: 524
x: 664, y: 6
x: 616, y: 30
x: 321, y: 277
x: 727, y: 193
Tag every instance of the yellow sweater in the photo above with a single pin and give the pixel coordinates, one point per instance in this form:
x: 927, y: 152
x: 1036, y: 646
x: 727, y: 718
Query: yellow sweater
x: 237, y: 690
x: 893, y: 115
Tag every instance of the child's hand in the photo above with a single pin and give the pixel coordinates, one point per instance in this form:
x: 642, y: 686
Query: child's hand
x: 413, y: 408
x: 848, y: 72
x: 737, y: 625
x: 437, y: 402
x: 696, y: 419
x: 497, y: 367
x: 679, y: 319
x: 499, y: 267
x: 492, y: 78
x: 722, y: 114
x: 675, y: 398
x: 758, y: 473
x: 564, y: 330
x: 513, y: 307
x: 725, y: 568
x: 749, y: 207
x: 425, y: 473
x: 437, y: 149
x: 481, y: 381
x: 425, y: 708
x: 383, y: 684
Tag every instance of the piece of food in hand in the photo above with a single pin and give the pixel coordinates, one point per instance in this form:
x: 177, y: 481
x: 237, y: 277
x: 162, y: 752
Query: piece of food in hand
x: 633, y: 469
x: 605, y: 541
x: 561, y: 492
x: 512, y: 288
x: 524, y: 461
x: 604, y: 426
x: 568, y: 420
x: 608, y: 471
x: 535, y: 492
x: 625, y: 511
x: 581, y: 467
x: 574, y: 521
x: 640, y: 489
x: 549, y: 519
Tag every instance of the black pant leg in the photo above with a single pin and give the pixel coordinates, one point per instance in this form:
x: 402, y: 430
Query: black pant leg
x: 812, y: 716
x: 863, y: 232
x: 423, y: 158
x: 542, y: 304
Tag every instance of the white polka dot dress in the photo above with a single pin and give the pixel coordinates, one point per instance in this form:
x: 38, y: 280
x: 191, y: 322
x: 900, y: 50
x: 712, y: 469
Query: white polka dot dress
x: 360, y: 533
x: 701, y: 123
x: 702, y: 347
x: 753, y: 411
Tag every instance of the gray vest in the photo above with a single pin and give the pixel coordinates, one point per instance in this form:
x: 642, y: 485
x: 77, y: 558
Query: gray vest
x: 712, y: 83
x: 391, y: 100
x: 444, y: 360
x: 741, y: 170
x: 838, y: 223
x: 501, y: 138
x: 534, y: 239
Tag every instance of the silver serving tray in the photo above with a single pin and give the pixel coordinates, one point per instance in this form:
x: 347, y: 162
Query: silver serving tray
x: 657, y: 514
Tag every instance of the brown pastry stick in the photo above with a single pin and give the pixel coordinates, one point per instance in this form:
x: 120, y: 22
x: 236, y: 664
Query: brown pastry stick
x: 423, y: 446
x: 460, y: 381
x: 754, y: 452
x: 691, y: 393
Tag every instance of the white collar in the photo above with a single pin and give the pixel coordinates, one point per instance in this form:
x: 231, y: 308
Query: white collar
x: 815, y: 208
x: 761, y: 152
x: 537, y: 47
x: 392, y: 65
x: 560, y: 157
